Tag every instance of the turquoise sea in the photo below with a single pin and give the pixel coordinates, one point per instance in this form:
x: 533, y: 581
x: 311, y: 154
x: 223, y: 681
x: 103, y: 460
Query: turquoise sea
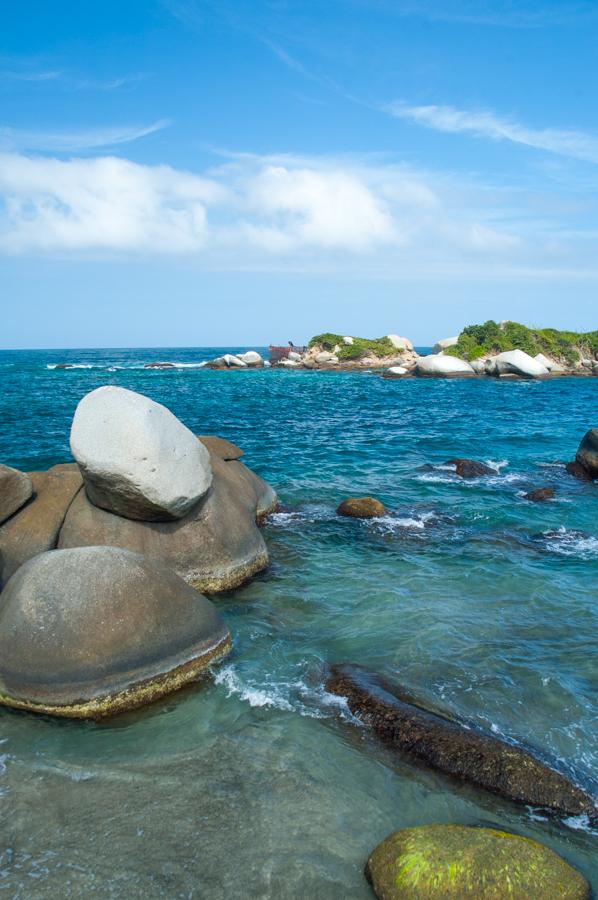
x: 255, y: 784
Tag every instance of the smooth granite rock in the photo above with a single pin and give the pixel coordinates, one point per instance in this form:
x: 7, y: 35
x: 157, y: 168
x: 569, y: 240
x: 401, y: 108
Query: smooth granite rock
x: 137, y: 459
x: 443, y: 366
x: 325, y: 357
x: 215, y: 547
x: 459, y: 750
x: 221, y: 447
x: 92, y: 631
x: 400, y: 343
x: 548, y: 363
x: 15, y: 490
x: 587, y: 452
x: 251, y: 358
x: 444, y: 344
x: 361, y: 508
x: 455, y: 862
x: 34, y: 528
x: 398, y: 370
x: 516, y: 362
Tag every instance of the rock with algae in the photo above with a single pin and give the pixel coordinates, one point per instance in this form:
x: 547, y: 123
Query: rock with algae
x: 361, y: 508
x: 454, y: 862
x: 93, y: 631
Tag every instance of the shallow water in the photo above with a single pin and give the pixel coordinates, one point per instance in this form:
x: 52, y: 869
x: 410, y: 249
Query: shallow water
x: 255, y: 783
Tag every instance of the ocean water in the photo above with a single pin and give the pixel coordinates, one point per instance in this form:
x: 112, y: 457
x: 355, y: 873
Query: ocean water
x: 255, y: 783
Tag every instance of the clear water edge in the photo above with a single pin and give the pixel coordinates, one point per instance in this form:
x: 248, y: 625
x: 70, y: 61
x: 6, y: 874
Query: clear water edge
x: 253, y: 783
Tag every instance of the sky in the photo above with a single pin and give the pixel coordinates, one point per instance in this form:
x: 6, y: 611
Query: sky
x: 239, y: 172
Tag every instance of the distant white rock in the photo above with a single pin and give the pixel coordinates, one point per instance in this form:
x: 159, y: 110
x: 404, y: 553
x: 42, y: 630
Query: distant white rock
x: 326, y: 357
x: 444, y: 344
x: 398, y: 370
x: 478, y: 366
x: 236, y: 361
x: 251, y: 358
x: 548, y: 363
x: 289, y: 363
x: 294, y: 356
x: 400, y: 343
x: 137, y: 459
x: 516, y: 362
x: 348, y: 341
x: 442, y: 365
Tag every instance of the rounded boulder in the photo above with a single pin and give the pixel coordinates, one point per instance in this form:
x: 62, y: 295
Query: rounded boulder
x: 361, y: 508
x: 587, y: 452
x: 93, y: 631
x: 454, y: 862
x: 441, y: 365
x: 137, y: 459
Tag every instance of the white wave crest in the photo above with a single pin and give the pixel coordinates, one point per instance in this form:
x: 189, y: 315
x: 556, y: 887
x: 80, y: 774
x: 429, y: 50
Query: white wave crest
x: 571, y: 543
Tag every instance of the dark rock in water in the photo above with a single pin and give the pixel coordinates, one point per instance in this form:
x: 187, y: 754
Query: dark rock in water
x: 587, y: 453
x: 361, y: 508
x: 160, y: 365
x: 456, y: 862
x: 221, y: 447
x: 470, y: 468
x: 34, y: 528
x: 15, y: 490
x: 447, y: 745
x: 540, y: 495
x: 578, y: 471
x: 64, y: 366
x: 92, y: 631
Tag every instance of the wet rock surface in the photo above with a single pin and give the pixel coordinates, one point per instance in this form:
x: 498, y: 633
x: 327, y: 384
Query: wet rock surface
x: 578, y: 471
x: 91, y: 631
x: 361, y: 508
x: 457, y: 750
x: 470, y: 468
x: 221, y: 447
x: 540, y: 495
x: 454, y: 862
x: 587, y: 453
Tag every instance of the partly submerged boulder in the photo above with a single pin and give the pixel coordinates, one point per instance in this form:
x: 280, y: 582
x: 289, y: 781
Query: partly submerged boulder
x: 361, y: 508
x: 516, y: 362
x: 137, y: 459
x: 578, y: 471
x: 454, y: 862
x: 540, y: 495
x: 470, y: 468
x: 251, y: 358
x: 93, y: 631
x: 587, y: 452
x: 398, y: 370
x: 444, y: 366
x: 215, y: 547
x: 34, y: 528
x: 457, y: 749
x: 15, y: 490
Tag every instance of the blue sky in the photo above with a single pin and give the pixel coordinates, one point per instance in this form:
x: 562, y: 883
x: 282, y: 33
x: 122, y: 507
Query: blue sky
x: 188, y: 172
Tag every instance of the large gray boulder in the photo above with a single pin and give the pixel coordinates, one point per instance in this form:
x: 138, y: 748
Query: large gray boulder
x: 215, y: 547
x: 15, y: 490
x: 587, y: 452
x: 34, y: 528
x: 444, y: 344
x: 137, y: 459
x: 251, y: 358
x: 516, y: 362
x: 92, y: 631
x: 443, y: 366
x: 400, y: 343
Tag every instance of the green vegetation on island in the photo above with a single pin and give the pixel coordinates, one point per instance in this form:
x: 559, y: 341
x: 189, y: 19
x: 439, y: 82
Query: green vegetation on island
x: 491, y: 338
x: 380, y: 347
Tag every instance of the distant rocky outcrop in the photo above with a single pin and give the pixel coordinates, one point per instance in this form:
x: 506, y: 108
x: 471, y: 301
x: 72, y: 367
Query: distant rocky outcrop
x: 137, y: 459
x: 92, y: 631
x: 460, y: 862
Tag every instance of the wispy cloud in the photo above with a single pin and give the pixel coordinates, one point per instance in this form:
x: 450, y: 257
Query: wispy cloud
x: 8, y: 75
x: 75, y: 141
x: 487, y: 124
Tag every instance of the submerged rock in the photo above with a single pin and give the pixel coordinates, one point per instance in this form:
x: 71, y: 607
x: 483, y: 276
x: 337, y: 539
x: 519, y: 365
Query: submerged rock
x: 578, y: 471
x: 587, y: 452
x: 437, y: 365
x: 215, y: 547
x: 92, y: 631
x: 470, y: 468
x: 461, y: 751
x: 35, y: 527
x: 159, y: 365
x: 137, y: 459
x: 361, y: 508
x: 454, y: 862
x: 15, y: 490
x: 540, y: 495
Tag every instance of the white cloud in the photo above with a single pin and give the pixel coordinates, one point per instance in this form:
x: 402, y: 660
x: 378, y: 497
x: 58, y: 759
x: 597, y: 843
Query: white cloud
x: 576, y: 144
x: 75, y: 141
x: 364, y: 215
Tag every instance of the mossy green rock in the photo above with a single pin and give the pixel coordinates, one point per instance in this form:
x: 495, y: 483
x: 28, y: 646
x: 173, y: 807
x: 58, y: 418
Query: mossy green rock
x: 454, y: 862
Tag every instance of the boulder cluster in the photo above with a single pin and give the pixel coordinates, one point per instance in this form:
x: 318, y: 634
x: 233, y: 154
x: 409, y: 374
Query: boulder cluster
x: 101, y: 560
x: 250, y: 360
